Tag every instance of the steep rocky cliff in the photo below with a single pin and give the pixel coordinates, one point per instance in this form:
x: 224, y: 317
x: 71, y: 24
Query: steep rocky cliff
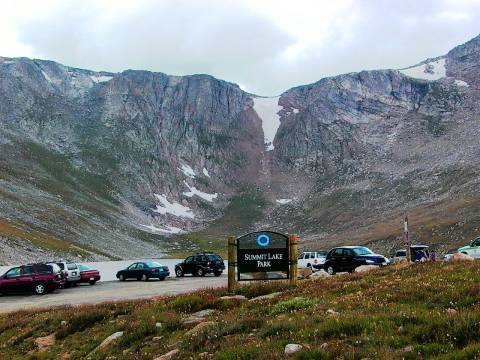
x: 139, y: 163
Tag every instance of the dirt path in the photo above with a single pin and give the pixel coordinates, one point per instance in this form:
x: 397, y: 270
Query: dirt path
x: 109, y: 291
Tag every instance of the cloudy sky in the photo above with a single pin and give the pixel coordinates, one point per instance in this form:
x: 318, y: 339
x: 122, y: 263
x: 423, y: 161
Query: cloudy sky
x: 266, y: 46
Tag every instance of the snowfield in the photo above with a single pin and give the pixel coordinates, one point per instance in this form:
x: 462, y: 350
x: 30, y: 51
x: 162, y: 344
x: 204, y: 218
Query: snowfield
x: 283, y: 201
x: 169, y: 230
x: 101, y: 78
x: 433, y: 70
x: 205, y: 172
x: 267, y: 109
x: 188, y: 171
x: 194, y: 191
x: 174, y: 208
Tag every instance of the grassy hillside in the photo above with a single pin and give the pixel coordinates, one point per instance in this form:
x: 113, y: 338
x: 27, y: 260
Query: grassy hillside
x: 429, y: 310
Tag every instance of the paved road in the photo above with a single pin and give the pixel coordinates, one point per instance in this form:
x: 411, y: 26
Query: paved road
x: 110, y: 291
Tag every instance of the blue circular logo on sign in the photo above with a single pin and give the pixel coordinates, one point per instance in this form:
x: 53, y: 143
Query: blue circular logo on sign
x: 263, y: 240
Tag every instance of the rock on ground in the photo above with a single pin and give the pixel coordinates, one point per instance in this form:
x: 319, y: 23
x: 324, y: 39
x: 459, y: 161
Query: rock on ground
x: 43, y: 343
x: 266, y: 297
x: 460, y: 257
x: 365, y: 268
x: 291, y: 349
x: 234, y: 297
x: 198, y: 329
x: 168, y: 356
x: 305, y: 273
x: 109, y: 340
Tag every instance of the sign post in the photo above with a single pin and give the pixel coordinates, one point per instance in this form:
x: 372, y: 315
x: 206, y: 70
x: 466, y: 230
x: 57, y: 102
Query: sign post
x: 232, y: 247
x: 293, y: 244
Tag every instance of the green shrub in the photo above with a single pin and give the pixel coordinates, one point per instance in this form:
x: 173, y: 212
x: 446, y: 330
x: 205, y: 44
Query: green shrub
x: 276, y: 328
x: 82, y: 321
x: 310, y: 355
x: 292, y: 305
x: 188, y: 303
x: 239, y: 353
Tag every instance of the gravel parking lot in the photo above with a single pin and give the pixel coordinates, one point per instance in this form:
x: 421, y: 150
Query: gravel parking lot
x: 110, y: 291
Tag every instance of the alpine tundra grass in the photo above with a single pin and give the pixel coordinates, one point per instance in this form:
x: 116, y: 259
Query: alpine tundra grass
x: 422, y: 311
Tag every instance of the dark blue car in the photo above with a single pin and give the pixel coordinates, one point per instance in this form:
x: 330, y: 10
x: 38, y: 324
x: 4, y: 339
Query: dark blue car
x: 348, y: 258
x: 143, y: 271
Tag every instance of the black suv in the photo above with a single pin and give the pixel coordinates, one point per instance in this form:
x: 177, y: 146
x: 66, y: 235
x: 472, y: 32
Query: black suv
x: 348, y: 258
x: 201, y: 264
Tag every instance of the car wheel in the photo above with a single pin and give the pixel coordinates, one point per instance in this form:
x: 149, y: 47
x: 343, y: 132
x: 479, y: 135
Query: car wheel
x: 40, y: 289
x: 179, y: 272
x: 330, y: 270
x: 200, y: 272
x: 144, y: 277
x: 75, y: 284
x: 67, y: 285
x: 218, y: 273
x: 161, y: 278
x: 309, y: 265
x: 92, y: 282
x: 121, y: 277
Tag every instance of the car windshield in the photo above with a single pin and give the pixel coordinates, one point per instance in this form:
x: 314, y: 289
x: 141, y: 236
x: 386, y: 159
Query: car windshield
x: 72, y: 266
x: 214, y: 258
x: 84, y: 267
x: 152, y: 264
x: 321, y: 253
x: 362, y: 251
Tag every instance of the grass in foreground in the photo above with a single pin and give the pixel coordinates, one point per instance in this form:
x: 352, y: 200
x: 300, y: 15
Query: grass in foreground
x: 392, y: 313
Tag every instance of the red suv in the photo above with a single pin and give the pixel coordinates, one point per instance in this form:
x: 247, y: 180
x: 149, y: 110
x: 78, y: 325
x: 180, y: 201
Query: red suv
x: 39, y: 278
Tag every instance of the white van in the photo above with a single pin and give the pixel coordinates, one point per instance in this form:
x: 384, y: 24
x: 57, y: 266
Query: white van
x: 312, y: 259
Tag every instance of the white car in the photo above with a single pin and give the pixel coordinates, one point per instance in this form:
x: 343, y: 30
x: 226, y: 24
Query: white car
x: 473, y: 249
x: 71, y: 271
x: 312, y: 259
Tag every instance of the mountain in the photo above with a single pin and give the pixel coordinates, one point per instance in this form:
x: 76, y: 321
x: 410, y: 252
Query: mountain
x: 135, y: 164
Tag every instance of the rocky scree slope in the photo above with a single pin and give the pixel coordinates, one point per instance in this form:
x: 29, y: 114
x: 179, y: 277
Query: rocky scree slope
x: 116, y: 163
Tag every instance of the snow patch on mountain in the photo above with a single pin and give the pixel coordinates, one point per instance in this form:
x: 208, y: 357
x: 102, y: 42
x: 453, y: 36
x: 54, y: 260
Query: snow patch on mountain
x: 267, y: 109
x: 100, y: 78
x: 188, y: 171
x: 45, y: 75
x: 432, y: 70
x: 461, y: 83
x: 283, y: 201
x: 205, y: 172
x: 194, y: 191
x: 169, y: 229
x: 172, y: 208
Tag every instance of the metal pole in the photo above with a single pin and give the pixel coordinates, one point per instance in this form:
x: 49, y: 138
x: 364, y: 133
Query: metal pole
x: 406, y: 236
x: 232, y: 261
x: 293, y: 244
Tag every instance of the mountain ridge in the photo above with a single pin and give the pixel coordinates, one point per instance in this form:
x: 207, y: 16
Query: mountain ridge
x: 112, y: 162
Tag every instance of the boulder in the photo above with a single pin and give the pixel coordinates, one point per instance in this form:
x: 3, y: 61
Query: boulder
x: 266, y: 297
x: 451, y: 311
x: 319, y: 273
x: 168, y: 356
x: 460, y: 257
x: 158, y: 325
x: 366, y: 268
x: 203, y: 313
x: 332, y: 312
x: 200, y: 328
x: 291, y: 349
x: 304, y: 273
x: 43, y: 343
x: 234, y: 297
x: 109, y: 340
x: 192, y: 321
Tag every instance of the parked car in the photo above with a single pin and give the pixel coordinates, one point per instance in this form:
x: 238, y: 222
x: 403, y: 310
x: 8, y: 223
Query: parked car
x: 62, y: 275
x: 70, y: 271
x: 348, y: 258
x: 201, y: 264
x: 473, y: 249
x: 312, y: 259
x: 143, y: 271
x: 36, y: 278
x: 416, y: 251
x: 88, y: 275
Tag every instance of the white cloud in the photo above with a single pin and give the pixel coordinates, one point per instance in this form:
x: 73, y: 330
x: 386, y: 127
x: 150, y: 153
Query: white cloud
x: 267, y: 46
